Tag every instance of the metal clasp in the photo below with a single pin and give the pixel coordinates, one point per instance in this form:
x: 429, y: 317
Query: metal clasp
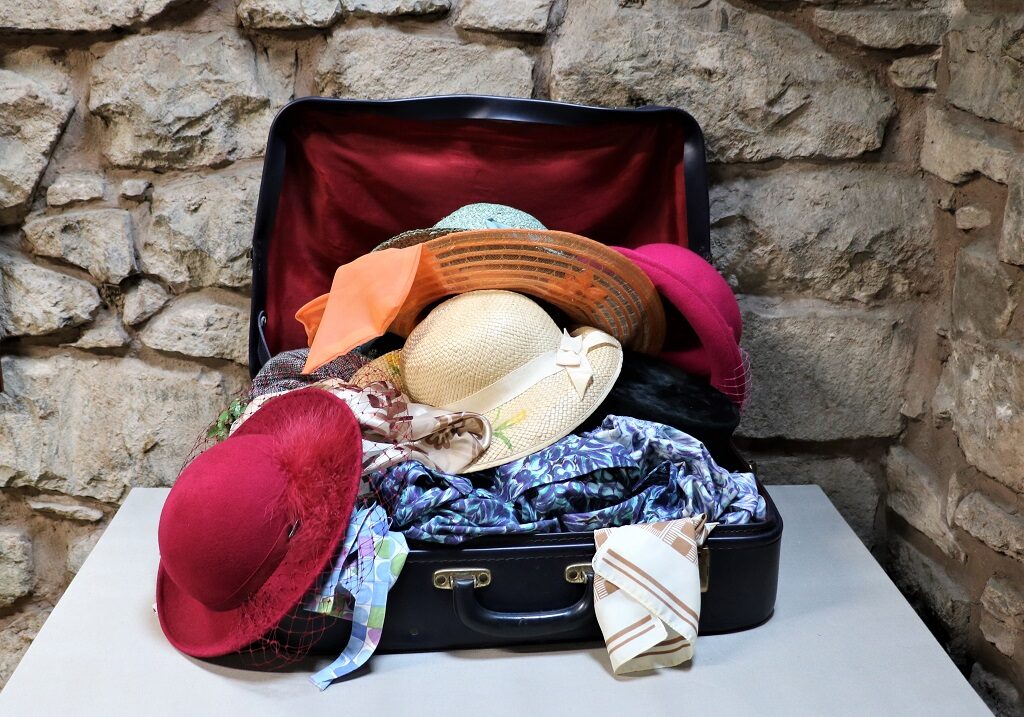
x: 445, y: 579
x: 704, y: 567
x: 578, y: 572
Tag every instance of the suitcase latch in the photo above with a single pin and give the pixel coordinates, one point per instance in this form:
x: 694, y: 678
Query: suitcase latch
x: 578, y: 572
x: 445, y: 579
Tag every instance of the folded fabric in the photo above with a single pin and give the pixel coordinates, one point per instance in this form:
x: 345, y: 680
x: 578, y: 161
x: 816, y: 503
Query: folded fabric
x: 283, y: 372
x: 647, y: 592
x: 357, y: 588
x: 395, y: 430
x: 627, y: 471
x: 360, y: 306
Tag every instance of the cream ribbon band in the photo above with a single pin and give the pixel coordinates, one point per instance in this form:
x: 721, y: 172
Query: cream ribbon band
x: 570, y: 356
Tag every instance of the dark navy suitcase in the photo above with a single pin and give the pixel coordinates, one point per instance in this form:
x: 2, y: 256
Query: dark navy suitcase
x: 341, y: 176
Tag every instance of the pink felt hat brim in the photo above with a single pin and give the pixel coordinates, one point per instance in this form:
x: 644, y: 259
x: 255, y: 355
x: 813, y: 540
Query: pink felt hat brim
x: 704, y: 299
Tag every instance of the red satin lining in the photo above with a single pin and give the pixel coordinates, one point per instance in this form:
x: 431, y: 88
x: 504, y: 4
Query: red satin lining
x: 351, y: 182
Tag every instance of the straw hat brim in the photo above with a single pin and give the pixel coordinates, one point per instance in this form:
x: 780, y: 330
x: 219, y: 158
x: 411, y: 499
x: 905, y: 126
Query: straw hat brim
x: 539, y: 416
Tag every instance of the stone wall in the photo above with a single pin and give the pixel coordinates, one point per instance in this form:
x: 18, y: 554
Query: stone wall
x: 867, y: 203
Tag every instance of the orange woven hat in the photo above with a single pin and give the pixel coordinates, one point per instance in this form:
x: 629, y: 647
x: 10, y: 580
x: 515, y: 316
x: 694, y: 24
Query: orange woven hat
x: 591, y: 283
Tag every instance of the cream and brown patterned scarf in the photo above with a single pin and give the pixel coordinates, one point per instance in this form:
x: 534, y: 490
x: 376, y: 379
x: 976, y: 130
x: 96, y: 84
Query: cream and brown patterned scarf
x: 647, y: 592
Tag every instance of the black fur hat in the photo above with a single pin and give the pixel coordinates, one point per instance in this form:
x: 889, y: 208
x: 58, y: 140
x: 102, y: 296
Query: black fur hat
x: 653, y: 390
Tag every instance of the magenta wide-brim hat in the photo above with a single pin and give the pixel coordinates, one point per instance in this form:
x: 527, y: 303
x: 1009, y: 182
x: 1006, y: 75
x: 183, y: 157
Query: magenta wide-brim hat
x: 314, y: 440
x: 703, y: 322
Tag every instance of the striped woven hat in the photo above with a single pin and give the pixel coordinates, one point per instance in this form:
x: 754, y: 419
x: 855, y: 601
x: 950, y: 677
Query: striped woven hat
x: 591, y: 283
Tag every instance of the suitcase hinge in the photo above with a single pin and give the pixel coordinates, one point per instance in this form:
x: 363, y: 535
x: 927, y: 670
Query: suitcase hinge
x: 704, y: 567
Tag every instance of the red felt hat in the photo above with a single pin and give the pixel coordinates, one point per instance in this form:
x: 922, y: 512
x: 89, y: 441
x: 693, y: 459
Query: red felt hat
x: 252, y: 522
x: 703, y: 323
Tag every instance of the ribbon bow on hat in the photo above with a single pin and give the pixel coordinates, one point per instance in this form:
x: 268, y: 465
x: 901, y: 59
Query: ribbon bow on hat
x: 572, y: 356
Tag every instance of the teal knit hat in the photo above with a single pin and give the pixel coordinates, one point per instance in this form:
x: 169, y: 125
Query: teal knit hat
x: 464, y: 219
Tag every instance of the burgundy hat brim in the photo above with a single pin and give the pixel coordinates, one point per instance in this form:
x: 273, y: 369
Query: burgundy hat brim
x: 308, y: 422
x: 717, y: 327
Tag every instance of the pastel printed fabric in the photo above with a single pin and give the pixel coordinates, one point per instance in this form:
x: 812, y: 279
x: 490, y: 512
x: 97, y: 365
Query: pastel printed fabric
x: 357, y: 588
x: 647, y: 592
x: 627, y: 471
x: 396, y: 430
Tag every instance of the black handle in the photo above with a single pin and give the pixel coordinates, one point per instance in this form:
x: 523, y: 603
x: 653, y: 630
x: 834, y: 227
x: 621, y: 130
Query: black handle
x: 520, y: 624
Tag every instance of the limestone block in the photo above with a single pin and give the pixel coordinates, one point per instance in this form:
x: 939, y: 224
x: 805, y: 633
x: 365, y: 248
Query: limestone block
x: 384, y: 63
x: 78, y: 15
x: 287, y: 14
x: 210, y: 324
x: 986, y: 66
x: 991, y: 524
x: 823, y: 372
x: 1002, y: 619
x: 106, y: 332
x: 1011, y: 244
x: 986, y: 292
x: 75, y: 188
x: 931, y: 590
x: 999, y: 694
x: 885, y: 28
x: 943, y: 401
x: 91, y: 427
x: 989, y: 414
x: 759, y: 87
x: 134, y: 188
x: 79, y: 550
x: 915, y: 73
x: 142, y: 301
x: 35, y: 300
x: 201, y: 231
x: 68, y: 510
x: 847, y: 482
x: 16, y: 633
x: 176, y: 100
x: 527, y: 16
x: 17, y: 569
x: 101, y: 241
x: 954, y: 150
x: 46, y: 65
x: 972, y: 217
x: 916, y: 495
x: 796, y: 231
x: 392, y: 8
x: 32, y: 118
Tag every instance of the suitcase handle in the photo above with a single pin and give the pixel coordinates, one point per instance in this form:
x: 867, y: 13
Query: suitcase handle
x: 521, y: 624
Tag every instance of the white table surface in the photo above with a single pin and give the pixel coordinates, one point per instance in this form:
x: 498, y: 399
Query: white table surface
x: 843, y: 641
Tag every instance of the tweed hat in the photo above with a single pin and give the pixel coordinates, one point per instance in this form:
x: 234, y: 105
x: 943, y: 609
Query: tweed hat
x: 500, y: 354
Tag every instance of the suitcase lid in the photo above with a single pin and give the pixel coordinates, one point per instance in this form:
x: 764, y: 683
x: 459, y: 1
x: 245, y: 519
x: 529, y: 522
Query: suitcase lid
x: 341, y: 176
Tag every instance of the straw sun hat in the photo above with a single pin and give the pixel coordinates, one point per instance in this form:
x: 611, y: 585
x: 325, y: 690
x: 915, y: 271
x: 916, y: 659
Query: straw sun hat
x: 499, y: 354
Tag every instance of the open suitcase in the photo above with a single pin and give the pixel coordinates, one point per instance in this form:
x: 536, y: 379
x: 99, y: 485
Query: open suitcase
x: 341, y: 176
